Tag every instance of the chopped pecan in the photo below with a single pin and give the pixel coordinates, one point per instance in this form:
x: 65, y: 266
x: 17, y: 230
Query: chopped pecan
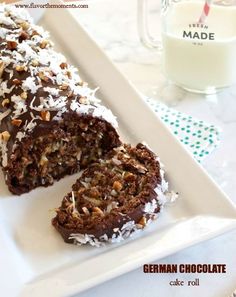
x: 35, y: 63
x: 16, y: 81
x: 117, y: 186
x: 68, y: 73
x: 25, y: 25
x: 129, y: 177
x: 94, y: 192
x: 5, y: 102
x: 2, y: 66
x: 44, y: 44
x: 83, y: 126
x: 24, y: 95
x: 43, y: 77
x: 143, y: 222
x: 43, y: 161
x: 93, y: 201
x: 11, y: 45
x: 83, y: 100
x: 45, y: 115
x: 23, y: 36
x: 64, y: 87
x: 16, y: 122
x: 98, y: 211
x: 63, y: 65
x: 81, y: 83
x: 21, y: 68
x: 34, y: 32
x: 5, y: 135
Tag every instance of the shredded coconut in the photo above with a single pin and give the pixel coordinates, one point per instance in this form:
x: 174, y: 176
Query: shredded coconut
x: 29, y: 84
x: 19, y: 106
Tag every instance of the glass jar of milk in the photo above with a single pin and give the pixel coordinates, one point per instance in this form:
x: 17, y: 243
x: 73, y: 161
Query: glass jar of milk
x: 198, y: 42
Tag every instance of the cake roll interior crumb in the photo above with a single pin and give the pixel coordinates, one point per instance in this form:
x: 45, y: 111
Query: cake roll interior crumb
x: 71, y: 146
x: 115, y: 186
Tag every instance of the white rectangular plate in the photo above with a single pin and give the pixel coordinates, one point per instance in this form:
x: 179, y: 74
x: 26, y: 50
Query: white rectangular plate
x: 34, y: 261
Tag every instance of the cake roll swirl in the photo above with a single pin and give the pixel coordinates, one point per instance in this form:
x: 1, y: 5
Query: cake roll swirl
x: 113, y: 198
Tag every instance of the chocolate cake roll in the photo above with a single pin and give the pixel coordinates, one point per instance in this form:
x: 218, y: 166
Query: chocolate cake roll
x: 113, y: 198
x: 51, y: 123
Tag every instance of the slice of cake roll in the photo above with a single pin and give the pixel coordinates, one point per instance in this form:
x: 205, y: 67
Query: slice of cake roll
x: 51, y: 123
x: 113, y: 198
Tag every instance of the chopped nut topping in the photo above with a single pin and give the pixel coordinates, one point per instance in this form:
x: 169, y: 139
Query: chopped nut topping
x: 83, y: 126
x: 93, y: 201
x: 81, y: 83
x: 128, y: 176
x: 80, y: 191
x: 43, y: 77
x: 11, y: 45
x: 35, y: 63
x: 21, y: 68
x: 23, y: 36
x: 2, y: 66
x: 64, y: 87
x: 5, y: 135
x: 24, y: 95
x: 34, y: 32
x: 70, y: 94
x: 94, y: 192
x: 45, y: 115
x: 44, y: 43
x: 68, y: 73
x: 5, y: 102
x: 25, y: 25
x: 98, y: 210
x: 16, y: 122
x: 83, y: 100
x: 43, y: 160
x: 16, y: 81
x: 117, y: 186
x: 143, y: 222
x: 63, y: 65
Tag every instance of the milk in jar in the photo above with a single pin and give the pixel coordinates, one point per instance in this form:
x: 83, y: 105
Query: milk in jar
x: 197, y: 56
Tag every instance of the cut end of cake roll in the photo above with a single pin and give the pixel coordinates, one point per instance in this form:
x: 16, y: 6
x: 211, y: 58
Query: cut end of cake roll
x: 113, y: 198
x: 58, y: 150
x: 51, y: 123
